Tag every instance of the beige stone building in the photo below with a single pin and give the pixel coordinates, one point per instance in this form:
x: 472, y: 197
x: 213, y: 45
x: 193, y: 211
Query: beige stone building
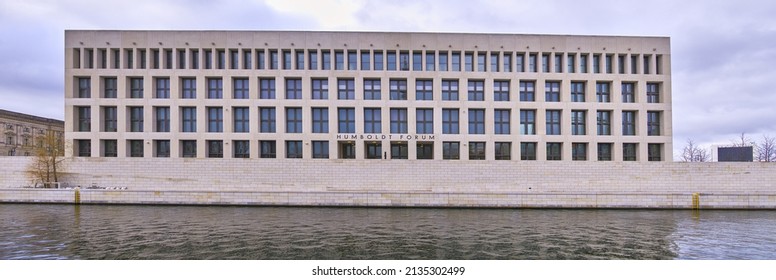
x: 19, y: 132
x: 367, y: 95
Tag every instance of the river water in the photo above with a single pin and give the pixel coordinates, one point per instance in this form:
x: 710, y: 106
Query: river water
x: 29, y: 231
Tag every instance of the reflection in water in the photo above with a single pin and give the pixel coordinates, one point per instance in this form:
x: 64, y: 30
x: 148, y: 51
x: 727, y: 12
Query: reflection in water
x: 184, y: 232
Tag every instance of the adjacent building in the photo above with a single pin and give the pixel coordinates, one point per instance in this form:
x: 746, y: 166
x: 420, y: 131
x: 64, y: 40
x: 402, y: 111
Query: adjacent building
x: 21, y: 132
x: 367, y: 95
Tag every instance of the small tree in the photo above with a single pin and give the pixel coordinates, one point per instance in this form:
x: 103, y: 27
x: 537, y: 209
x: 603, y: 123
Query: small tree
x: 743, y: 141
x: 766, y: 149
x: 693, y: 153
x: 48, y: 162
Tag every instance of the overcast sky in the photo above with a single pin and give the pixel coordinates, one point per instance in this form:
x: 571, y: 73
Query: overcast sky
x: 723, y: 52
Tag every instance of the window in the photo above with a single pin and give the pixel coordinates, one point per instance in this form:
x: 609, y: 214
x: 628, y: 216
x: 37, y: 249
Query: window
x: 162, y: 115
x: 424, y: 90
x: 110, y: 87
x: 449, y: 121
x: 597, y: 63
x: 552, y: 91
x: 455, y: 61
x: 519, y: 62
x: 527, y: 91
x: 234, y: 59
x: 398, y: 120
x: 634, y: 63
x: 476, y: 90
x: 365, y: 64
x: 267, y: 119
x: 352, y: 60
x: 267, y: 149
x: 339, y: 60
x: 417, y: 61
x: 494, y: 62
x: 604, y: 151
x: 247, y: 59
x: 84, y: 148
x: 241, y: 119
x: 621, y: 63
x: 558, y: 63
x: 267, y: 88
x: 583, y: 63
x: 578, y: 123
x: 449, y: 89
x: 430, y: 63
x: 242, y: 148
x: 221, y: 59
x: 528, y: 122
x: 293, y: 149
x: 346, y: 120
x: 215, y: 88
x: 399, y: 150
x: 374, y: 150
x: 658, y: 64
x: 653, y: 123
x: 378, y: 55
x: 320, y: 149
x: 189, y: 148
x: 628, y: 123
x: 570, y: 61
x: 240, y: 88
x: 293, y: 120
x: 603, y: 120
x: 162, y: 148
x: 110, y: 120
x: 477, y: 150
x: 608, y: 63
x: 481, y: 62
x: 468, y: 62
x: 545, y: 63
x: 320, y: 88
x: 293, y: 88
x: 424, y: 121
x: 477, y: 121
x: 273, y: 59
x: 404, y: 61
x: 527, y: 150
x: 162, y: 88
x: 627, y: 93
x: 135, y: 148
x: 554, y: 151
x: 189, y: 119
x: 189, y: 88
x: 326, y: 56
x: 109, y: 148
x: 261, y: 59
x: 425, y: 150
x: 629, y: 151
x: 653, y: 93
x: 503, y: 150
x: 299, y: 59
x: 313, y: 64
x: 602, y: 92
x: 346, y: 89
x: 135, y: 88
x: 553, y: 122
x: 135, y: 119
x: 208, y: 59
x: 372, y: 89
x: 398, y: 89
x: 391, y: 61
x: 451, y: 150
x: 84, y: 87
x: 320, y: 120
x: 372, y: 120
x: 577, y: 92
x: 215, y: 148
x: 578, y: 151
x: 507, y: 62
x: 501, y: 121
x: 215, y: 119
x: 501, y: 90
x: 654, y: 152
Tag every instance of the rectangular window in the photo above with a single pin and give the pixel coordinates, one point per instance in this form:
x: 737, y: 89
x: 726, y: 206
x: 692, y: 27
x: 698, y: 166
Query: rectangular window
x: 424, y: 90
x: 320, y: 149
x: 109, y: 148
x: 503, y: 150
x: 501, y: 121
x: 346, y: 120
x: 352, y: 60
x: 110, y: 87
x: 273, y: 59
x: 545, y: 63
x: 378, y: 55
x: 450, y: 121
x: 627, y: 93
x: 430, y: 61
x: 188, y: 119
x: 320, y: 120
x: 520, y: 62
x: 293, y: 149
x: 372, y: 89
x: 110, y: 119
x: 417, y: 61
x: 477, y: 150
x: 247, y: 62
x: 391, y: 66
x: 603, y: 92
x: 628, y: 123
x: 634, y: 63
x: 481, y: 61
x: 293, y: 120
x: 267, y: 88
x: 346, y: 89
x: 571, y: 62
x: 374, y: 150
x: 221, y: 59
x: 162, y: 148
x: 659, y: 64
x: 501, y: 90
x: 578, y: 151
x: 449, y: 89
x: 476, y: 121
x: 451, y: 150
x: 604, y: 151
x: 135, y: 119
x: 215, y: 88
x: 654, y: 152
x: 84, y: 148
x: 240, y: 88
x: 208, y: 59
x: 398, y: 120
x: 476, y: 90
x: 558, y: 63
x: 326, y: 56
x: 554, y: 151
x: 527, y: 91
x: 425, y: 150
x: 653, y: 123
x: 261, y: 59
x: 339, y: 60
x: 399, y: 150
x: 653, y: 93
x: 189, y: 148
x: 621, y: 64
x: 404, y: 61
x: 494, y: 62
x: 365, y: 62
x: 629, y: 151
x: 162, y: 115
x: 293, y: 88
x: 313, y: 64
x: 424, y: 121
x: 608, y: 63
x: 320, y: 89
x: 299, y: 59
x: 596, y: 63
x: 234, y: 59
x: 162, y: 88
x: 215, y: 148
x: 468, y: 60
x: 604, y: 122
x: 527, y: 150
x: 577, y: 91
x: 528, y: 122
x: 189, y: 88
x: 507, y: 62
x: 553, y: 122
x: 578, y: 120
x: 84, y: 87
x: 135, y: 87
x: 372, y: 120
x: 242, y: 148
x: 552, y: 91
x: 398, y: 89
x: 242, y: 117
x: 267, y: 119
x: 267, y: 149
x: 135, y: 148
x: 583, y: 63
x: 215, y: 119
x: 455, y: 61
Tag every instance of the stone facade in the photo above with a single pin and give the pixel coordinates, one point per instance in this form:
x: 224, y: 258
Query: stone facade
x: 20, y: 130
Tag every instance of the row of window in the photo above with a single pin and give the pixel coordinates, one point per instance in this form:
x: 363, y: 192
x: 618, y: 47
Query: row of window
x: 366, y: 60
x: 373, y: 150
x: 372, y: 89
x: 372, y: 120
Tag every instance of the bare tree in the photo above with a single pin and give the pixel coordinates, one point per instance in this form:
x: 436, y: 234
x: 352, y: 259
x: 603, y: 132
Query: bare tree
x: 766, y: 149
x: 694, y: 153
x: 48, y: 162
x: 743, y: 141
